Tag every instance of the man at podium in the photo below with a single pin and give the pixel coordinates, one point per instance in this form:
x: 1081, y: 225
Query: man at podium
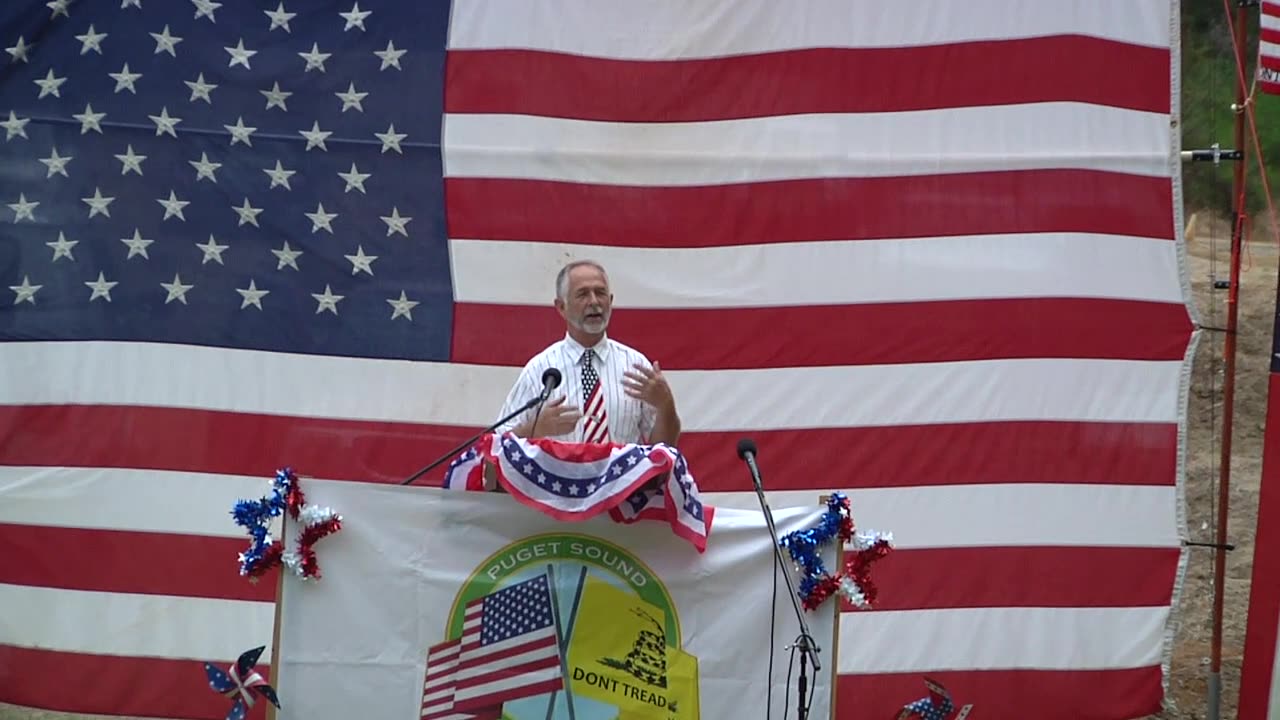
x: 610, y: 392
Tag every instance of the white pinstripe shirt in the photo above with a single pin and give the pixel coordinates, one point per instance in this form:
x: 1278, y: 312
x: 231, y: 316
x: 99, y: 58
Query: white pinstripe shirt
x: 630, y: 420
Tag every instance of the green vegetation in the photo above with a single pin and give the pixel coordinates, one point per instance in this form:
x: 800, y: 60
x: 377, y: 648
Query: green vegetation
x: 1208, y: 91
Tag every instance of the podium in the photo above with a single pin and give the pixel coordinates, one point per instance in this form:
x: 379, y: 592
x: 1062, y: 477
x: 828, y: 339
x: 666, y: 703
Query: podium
x: 457, y: 602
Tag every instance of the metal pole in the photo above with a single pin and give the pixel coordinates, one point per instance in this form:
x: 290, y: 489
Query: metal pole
x: 1229, y: 368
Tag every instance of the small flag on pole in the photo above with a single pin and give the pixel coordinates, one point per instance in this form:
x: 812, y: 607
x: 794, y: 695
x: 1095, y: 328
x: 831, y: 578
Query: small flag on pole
x: 1269, y: 47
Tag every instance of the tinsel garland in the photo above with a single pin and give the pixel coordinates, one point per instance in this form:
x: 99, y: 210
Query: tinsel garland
x: 854, y: 581
x: 266, y: 552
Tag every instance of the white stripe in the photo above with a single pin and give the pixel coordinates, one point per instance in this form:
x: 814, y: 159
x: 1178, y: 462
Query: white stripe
x: 836, y: 273
x: 1269, y: 49
x: 919, y: 517
x: 882, y: 641
x: 443, y: 655
x: 445, y: 682
x: 107, y: 623
x: 1269, y: 22
x: 599, y: 433
x: 813, y: 397
x: 927, y: 142
x: 674, y: 29
x: 595, y: 404
x: 996, y: 515
x: 127, y: 499
x: 521, y: 680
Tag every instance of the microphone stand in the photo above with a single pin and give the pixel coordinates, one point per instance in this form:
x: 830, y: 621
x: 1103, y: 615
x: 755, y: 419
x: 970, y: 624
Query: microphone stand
x: 536, y: 400
x: 805, y: 643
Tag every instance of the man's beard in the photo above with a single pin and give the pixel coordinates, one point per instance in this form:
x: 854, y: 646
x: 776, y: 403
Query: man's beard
x: 593, y: 325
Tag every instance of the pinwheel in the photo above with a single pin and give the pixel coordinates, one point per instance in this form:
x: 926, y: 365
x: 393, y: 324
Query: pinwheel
x: 937, y: 706
x: 241, y: 682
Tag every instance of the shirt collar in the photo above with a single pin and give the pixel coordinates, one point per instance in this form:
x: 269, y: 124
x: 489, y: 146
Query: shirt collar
x: 576, y: 348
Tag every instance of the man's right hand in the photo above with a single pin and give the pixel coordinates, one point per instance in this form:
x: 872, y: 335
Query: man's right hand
x: 556, y: 418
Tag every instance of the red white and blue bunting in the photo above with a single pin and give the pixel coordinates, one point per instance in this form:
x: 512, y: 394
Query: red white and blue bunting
x: 576, y: 481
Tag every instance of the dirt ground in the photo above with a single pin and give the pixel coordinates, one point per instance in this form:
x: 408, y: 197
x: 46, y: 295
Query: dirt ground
x: 1208, y: 251
x: 1207, y: 258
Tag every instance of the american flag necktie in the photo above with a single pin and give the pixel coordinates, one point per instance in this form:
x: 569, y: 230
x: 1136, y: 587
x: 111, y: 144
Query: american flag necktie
x: 595, y: 427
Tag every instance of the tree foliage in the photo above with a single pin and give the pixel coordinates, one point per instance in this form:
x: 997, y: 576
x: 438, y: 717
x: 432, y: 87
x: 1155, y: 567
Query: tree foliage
x: 1209, y: 77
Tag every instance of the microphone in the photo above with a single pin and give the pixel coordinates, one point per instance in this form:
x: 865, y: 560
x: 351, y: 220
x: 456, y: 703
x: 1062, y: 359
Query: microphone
x: 551, y: 378
x: 747, y: 451
x: 550, y: 381
x: 807, y: 646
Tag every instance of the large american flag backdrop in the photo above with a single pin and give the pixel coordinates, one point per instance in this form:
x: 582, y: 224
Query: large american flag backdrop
x: 929, y: 255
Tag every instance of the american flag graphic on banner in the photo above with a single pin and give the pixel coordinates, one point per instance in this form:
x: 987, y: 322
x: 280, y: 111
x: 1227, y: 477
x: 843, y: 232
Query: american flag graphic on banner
x: 510, y: 647
x: 910, y: 258
x: 441, y: 682
x: 440, y: 688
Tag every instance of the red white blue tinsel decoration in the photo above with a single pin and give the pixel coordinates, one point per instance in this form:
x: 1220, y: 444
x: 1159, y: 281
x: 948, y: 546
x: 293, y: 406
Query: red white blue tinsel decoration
x: 853, y: 583
x: 266, y: 552
x: 241, y: 683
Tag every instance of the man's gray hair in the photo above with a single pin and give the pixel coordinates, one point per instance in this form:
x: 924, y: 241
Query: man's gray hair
x: 562, y: 278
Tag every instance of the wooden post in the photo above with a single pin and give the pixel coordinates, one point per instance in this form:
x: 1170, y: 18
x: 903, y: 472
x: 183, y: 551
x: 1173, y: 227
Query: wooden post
x: 835, y: 635
x: 274, y: 677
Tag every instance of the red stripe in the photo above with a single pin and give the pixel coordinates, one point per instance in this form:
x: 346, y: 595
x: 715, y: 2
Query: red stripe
x: 821, y: 80
x: 106, y: 561
x: 1039, y: 694
x: 1271, y: 8
x: 128, y: 562
x: 1260, y: 650
x: 1027, y: 201
x: 1270, y: 62
x: 956, y: 454
x: 975, y: 577
x: 1269, y: 35
x: 922, y: 332
x: 112, y: 685
x: 951, y: 454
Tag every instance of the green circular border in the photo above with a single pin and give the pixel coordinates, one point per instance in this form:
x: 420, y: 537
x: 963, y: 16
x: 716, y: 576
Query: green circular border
x: 477, y: 585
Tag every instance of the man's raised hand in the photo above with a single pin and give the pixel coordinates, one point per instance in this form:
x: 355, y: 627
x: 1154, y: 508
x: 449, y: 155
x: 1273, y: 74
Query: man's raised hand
x: 556, y: 418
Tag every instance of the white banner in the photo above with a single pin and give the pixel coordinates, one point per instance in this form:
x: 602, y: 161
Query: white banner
x: 437, y: 604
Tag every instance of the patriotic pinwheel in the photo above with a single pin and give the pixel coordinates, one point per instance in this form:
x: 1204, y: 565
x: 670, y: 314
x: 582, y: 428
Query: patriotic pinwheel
x: 241, y: 682
x: 937, y: 706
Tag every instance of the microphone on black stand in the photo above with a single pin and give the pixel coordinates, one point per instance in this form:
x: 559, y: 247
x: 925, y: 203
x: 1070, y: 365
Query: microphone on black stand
x: 805, y: 643
x: 550, y: 381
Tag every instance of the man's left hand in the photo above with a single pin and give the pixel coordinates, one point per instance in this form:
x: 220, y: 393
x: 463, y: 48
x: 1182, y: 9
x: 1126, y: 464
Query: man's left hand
x: 649, y: 385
